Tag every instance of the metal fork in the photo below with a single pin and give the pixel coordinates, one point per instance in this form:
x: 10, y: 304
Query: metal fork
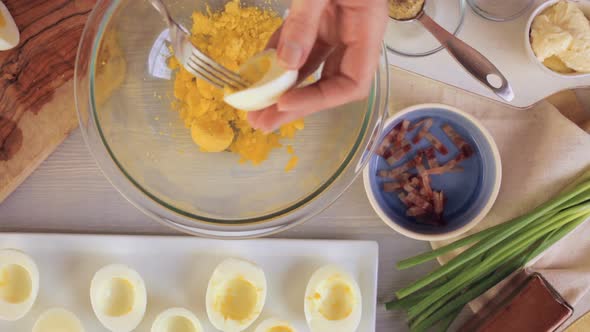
x: 195, y: 61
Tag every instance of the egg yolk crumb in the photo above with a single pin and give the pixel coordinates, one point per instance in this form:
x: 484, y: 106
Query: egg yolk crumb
x: 280, y: 329
x: 230, y: 37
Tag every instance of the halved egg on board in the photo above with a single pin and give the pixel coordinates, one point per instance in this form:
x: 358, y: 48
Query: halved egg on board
x: 235, y: 295
x: 19, y: 284
x: 9, y: 35
x: 269, y: 82
x: 333, y: 301
x: 275, y: 325
x: 119, y: 297
x: 176, y: 320
x: 58, y: 320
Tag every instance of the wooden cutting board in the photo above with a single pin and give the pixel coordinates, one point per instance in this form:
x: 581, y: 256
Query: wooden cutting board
x: 37, y: 109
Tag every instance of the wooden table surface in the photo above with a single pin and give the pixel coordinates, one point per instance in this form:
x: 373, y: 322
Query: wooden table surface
x: 68, y: 193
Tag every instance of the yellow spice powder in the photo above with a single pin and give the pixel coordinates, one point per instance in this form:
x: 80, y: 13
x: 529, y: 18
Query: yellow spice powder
x: 230, y: 37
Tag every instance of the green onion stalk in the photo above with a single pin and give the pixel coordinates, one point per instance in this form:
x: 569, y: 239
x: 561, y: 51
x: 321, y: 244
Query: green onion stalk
x: 490, y: 256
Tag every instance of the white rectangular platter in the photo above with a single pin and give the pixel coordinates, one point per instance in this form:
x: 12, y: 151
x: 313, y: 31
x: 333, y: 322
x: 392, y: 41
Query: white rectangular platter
x: 504, y: 44
x: 176, y: 270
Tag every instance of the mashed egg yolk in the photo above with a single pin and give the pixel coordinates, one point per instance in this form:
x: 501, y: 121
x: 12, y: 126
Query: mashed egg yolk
x: 230, y: 37
x: 238, y: 300
x: 280, y: 329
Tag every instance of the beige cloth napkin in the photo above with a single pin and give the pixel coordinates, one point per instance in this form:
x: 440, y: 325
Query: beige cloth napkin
x: 541, y: 153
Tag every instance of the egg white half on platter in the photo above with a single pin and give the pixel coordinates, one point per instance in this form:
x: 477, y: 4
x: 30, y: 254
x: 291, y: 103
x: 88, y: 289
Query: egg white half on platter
x: 176, y: 320
x: 333, y: 301
x: 58, y: 320
x: 19, y: 284
x: 235, y: 295
x: 119, y: 298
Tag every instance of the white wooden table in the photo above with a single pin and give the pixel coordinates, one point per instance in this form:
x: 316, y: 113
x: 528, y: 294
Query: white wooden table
x: 68, y: 193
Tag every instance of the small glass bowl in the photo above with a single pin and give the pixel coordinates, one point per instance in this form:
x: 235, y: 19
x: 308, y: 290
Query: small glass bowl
x: 144, y: 149
x: 411, y: 39
x: 500, y: 10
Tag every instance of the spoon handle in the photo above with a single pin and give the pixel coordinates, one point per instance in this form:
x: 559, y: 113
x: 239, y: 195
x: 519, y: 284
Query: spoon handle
x: 474, y: 62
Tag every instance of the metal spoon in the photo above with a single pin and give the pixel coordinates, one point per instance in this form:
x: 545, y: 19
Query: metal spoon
x: 474, y: 62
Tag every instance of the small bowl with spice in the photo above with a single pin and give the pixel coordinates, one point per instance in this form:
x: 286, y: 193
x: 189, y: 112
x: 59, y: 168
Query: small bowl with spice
x: 436, y: 172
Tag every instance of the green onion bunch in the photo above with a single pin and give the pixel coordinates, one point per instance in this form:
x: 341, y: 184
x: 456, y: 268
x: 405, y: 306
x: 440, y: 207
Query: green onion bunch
x: 492, y: 255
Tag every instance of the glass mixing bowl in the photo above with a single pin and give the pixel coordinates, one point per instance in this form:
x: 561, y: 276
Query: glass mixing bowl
x: 123, y: 96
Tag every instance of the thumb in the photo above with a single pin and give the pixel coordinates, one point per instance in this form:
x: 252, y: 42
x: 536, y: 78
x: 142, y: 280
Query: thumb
x: 299, y: 32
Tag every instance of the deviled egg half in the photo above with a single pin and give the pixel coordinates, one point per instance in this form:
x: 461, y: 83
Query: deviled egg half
x: 332, y: 301
x: 19, y: 284
x: 176, y: 320
x: 235, y: 295
x: 118, y: 297
x: 269, y: 82
x: 58, y: 320
x: 275, y: 325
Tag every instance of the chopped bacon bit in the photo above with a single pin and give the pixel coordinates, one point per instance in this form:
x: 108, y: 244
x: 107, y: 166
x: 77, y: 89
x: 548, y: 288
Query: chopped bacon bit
x: 439, y: 203
x: 421, y: 123
x: 404, y: 177
x: 415, y: 211
x: 437, y: 144
x: 419, y: 163
x: 394, y: 157
x: 459, y: 142
x: 401, y: 135
x: 457, y: 169
x: 388, y: 140
x: 404, y: 198
x: 442, y: 169
x: 419, y: 201
x: 392, y: 174
x: 426, y: 124
x: 426, y: 185
x: 409, y: 188
x: 430, y: 154
x: 390, y: 187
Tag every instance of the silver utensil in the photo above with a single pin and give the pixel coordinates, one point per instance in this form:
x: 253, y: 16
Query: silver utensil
x: 474, y: 62
x: 192, y: 59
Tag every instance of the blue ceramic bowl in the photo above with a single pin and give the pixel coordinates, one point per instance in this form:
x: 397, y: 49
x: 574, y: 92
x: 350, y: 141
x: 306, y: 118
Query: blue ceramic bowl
x: 470, y: 194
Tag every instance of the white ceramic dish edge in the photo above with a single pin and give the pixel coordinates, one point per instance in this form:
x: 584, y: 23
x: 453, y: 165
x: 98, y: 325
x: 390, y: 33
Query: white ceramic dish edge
x: 172, y: 260
x: 584, y: 6
x: 474, y: 221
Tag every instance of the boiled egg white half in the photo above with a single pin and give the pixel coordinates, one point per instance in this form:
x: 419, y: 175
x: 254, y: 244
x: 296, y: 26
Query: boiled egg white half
x: 176, y: 320
x: 275, y: 325
x: 118, y: 297
x: 9, y: 35
x: 332, y: 301
x: 58, y: 320
x: 269, y: 82
x: 235, y: 295
x: 19, y: 284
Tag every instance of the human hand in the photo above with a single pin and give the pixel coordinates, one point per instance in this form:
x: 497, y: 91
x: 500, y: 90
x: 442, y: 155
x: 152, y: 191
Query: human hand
x: 346, y: 35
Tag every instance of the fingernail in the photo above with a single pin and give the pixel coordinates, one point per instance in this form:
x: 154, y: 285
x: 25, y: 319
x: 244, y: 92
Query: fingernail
x: 290, y: 55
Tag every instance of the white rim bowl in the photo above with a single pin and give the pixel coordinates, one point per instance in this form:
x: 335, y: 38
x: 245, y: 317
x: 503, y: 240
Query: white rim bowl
x: 584, y: 5
x: 474, y: 221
